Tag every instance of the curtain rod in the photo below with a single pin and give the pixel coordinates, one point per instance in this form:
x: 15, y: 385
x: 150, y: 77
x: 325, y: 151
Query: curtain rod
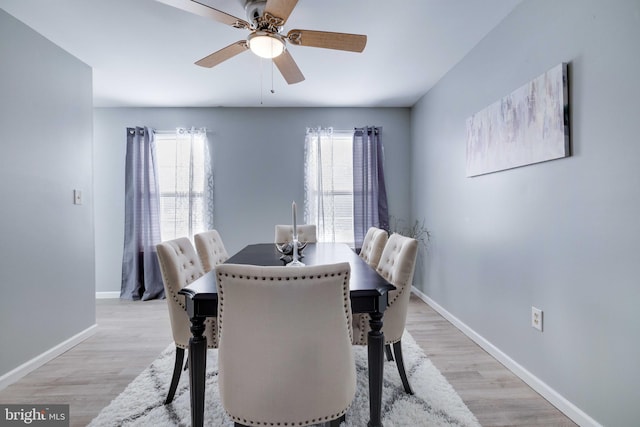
x: 181, y: 130
x: 328, y: 128
x: 376, y: 128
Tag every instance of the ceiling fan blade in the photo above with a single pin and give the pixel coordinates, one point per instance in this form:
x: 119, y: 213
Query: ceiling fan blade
x: 223, y: 54
x: 328, y: 40
x: 288, y: 68
x: 280, y: 10
x: 207, y: 11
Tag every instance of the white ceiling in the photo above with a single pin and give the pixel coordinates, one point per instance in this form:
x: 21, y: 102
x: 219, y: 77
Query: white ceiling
x: 142, y: 52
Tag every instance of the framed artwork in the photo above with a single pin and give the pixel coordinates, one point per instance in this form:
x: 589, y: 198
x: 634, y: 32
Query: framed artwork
x: 530, y: 125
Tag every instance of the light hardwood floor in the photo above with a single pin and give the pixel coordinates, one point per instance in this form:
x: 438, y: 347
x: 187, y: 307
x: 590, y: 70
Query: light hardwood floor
x: 131, y: 335
x: 495, y: 395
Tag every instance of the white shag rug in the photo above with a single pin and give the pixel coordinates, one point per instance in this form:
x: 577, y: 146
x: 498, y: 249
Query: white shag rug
x: 435, y: 403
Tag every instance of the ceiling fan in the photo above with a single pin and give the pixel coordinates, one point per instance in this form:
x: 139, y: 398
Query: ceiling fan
x: 266, y: 19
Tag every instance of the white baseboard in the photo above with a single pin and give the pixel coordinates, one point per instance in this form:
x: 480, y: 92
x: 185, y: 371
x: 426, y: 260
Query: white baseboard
x: 33, y: 364
x: 556, y: 399
x: 110, y: 294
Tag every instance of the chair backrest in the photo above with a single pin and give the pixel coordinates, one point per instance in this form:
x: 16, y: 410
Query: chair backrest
x: 306, y: 233
x: 180, y: 266
x: 397, y: 264
x: 373, y: 245
x: 210, y: 249
x: 285, y: 355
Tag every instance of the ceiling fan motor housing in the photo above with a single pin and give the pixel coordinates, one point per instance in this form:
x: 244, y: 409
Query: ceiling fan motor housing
x: 254, y: 9
x: 266, y: 19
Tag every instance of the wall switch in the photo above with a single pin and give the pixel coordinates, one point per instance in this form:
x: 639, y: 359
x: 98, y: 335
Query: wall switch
x: 77, y: 197
x: 536, y: 318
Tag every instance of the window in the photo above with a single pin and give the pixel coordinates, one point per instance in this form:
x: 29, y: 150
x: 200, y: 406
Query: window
x: 183, y: 180
x: 329, y: 184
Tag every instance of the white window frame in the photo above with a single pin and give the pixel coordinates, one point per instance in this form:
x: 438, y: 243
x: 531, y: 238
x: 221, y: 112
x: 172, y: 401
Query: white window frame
x: 187, y: 187
x: 333, y: 212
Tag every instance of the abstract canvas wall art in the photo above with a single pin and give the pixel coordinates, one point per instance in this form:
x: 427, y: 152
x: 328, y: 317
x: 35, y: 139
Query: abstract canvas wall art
x: 531, y: 125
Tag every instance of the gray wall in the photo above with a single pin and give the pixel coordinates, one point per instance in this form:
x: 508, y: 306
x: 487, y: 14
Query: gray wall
x: 258, y: 167
x: 47, y: 263
x: 561, y: 235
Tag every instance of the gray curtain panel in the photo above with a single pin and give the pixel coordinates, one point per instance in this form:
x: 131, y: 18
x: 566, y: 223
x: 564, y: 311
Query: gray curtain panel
x: 369, y: 191
x: 141, y: 277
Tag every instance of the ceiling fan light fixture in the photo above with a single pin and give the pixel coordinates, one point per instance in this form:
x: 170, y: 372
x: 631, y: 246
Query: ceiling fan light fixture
x: 266, y: 45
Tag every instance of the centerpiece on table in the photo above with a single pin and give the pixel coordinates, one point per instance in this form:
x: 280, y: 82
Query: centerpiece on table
x: 294, y: 248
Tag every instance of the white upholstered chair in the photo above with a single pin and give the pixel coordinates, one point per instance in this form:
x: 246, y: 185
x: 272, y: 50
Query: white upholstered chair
x: 372, y: 246
x: 285, y: 356
x: 306, y: 233
x: 397, y: 264
x: 210, y: 249
x: 180, y: 266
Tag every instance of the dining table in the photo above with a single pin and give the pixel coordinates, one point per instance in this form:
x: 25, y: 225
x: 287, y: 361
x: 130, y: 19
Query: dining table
x: 368, y: 294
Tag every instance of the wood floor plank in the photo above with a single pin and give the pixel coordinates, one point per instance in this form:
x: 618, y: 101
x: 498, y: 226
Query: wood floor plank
x: 495, y: 395
x: 131, y: 335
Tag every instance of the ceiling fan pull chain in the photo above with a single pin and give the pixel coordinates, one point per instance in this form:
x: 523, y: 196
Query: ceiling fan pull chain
x: 261, y: 81
x: 272, y: 65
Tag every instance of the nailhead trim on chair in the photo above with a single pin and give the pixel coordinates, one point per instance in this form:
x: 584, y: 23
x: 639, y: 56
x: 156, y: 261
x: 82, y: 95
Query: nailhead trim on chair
x: 389, y: 277
x: 347, y: 308
x: 172, y: 292
x: 290, y: 423
x: 401, y: 288
x: 212, y: 342
x: 345, y: 295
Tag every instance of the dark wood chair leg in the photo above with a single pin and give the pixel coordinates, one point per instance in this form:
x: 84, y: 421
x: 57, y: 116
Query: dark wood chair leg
x: 186, y: 363
x: 397, y: 351
x: 337, y: 421
x: 387, y: 350
x: 238, y: 425
x: 177, y: 370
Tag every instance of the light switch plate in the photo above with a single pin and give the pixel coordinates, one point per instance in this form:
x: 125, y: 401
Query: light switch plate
x: 77, y: 197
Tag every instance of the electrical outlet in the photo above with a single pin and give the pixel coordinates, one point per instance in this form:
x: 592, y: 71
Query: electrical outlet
x: 536, y: 318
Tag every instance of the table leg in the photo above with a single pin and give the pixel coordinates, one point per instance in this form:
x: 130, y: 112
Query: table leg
x: 197, y: 370
x: 375, y: 345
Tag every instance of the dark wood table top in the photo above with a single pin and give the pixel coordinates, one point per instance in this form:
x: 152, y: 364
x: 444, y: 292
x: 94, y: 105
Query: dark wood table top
x: 365, y: 281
